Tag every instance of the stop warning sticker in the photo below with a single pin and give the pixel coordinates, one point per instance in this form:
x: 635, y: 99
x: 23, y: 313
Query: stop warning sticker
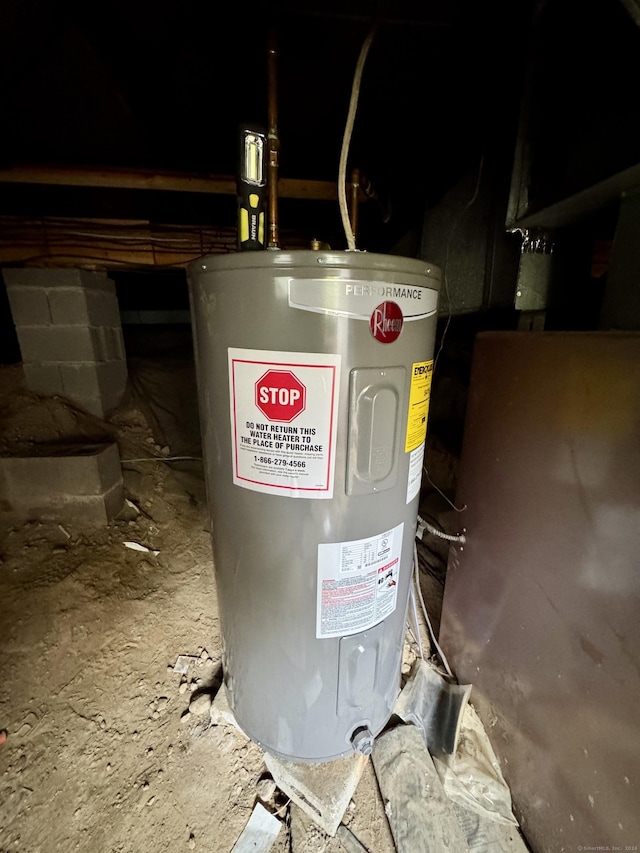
x: 284, y: 413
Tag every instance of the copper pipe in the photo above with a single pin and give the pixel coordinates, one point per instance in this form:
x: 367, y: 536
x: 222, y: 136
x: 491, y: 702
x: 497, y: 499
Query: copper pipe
x: 273, y: 143
x: 361, y: 189
x: 370, y: 193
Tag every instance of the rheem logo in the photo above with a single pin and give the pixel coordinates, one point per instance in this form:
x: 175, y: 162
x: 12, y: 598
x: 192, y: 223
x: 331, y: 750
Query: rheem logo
x: 386, y: 322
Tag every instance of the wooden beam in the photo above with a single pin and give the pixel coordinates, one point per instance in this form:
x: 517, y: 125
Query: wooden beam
x: 141, y: 179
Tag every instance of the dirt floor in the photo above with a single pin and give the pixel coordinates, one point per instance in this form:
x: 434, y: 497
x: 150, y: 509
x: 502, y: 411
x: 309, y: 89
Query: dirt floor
x: 98, y: 753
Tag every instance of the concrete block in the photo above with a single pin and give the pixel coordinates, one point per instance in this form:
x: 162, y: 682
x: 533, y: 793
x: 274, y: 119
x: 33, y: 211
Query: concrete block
x: 322, y: 791
x: 112, y: 501
x: 56, y: 343
x: 83, y: 306
x: 112, y: 382
x: 96, y: 281
x: 70, y: 344
x: 5, y: 505
x: 92, y: 404
x: 33, y: 277
x: 83, y: 380
x: 29, y: 306
x: 80, y: 381
x: 98, y: 387
x: 119, y: 343
x: 43, y: 379
x: 63, y: 297
x: 81, y: 470
x: 109, y: 343
x: 108, y: 469
x: 51, y: 278
x: 76, y: 483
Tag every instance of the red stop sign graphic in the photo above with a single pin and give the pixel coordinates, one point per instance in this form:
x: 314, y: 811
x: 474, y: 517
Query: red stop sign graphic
x: 280, y: 395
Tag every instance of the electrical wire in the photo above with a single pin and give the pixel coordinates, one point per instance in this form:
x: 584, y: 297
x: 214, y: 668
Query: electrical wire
x: 414, y: 613
x: 450, y: 537
x: 277, y: 811
x: 433, y: 562
x: 164, y: 459
x: 415, y: 639
x: 114, y: 243
x: 441, y: 493
x: 346, y: 141
x: 442, y: 655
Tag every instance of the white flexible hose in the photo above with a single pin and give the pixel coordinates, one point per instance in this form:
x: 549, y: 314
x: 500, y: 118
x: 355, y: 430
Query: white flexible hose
x: 425, y: 613
x: 416, y: 623
x: 346, y: 140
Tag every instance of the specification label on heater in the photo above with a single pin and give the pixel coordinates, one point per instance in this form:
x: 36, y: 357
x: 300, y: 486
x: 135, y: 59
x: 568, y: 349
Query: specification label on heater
x: 414, y: 480
x: 357, y: 583
x: 284, y: 411
x: 421, y: 373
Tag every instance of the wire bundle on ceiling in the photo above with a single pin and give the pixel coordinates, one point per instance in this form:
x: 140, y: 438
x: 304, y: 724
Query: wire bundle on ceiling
x: 112, y: 243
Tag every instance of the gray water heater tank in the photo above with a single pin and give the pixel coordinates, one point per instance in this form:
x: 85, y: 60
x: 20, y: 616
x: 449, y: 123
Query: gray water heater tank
x: 314, y: 373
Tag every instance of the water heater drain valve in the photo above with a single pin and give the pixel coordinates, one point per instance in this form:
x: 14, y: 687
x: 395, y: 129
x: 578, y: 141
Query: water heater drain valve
x: 362, y: 741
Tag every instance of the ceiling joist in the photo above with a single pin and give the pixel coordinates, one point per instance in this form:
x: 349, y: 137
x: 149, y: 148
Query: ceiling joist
x: 141, y: 179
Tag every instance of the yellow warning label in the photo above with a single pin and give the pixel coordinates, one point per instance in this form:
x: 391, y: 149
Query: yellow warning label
x: 421, y: 373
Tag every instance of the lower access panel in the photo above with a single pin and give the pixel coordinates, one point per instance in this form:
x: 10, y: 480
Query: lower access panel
x: 541, y: 604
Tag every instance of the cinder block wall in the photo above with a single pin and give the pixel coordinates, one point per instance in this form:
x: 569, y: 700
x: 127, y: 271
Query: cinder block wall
x: 84, y: 486
x: 70, y: 335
